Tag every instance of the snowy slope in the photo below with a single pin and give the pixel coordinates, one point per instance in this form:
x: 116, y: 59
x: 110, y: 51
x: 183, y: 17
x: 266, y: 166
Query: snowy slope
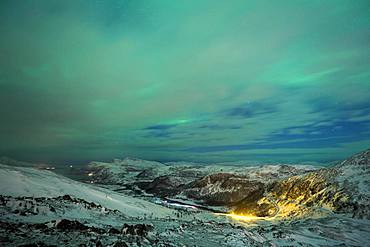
x: 123, y: 171
x: 22, y: 181
x: 130, y: 170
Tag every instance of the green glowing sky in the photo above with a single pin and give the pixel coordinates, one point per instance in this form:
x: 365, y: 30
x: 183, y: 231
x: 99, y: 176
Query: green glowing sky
x: 184, y: 80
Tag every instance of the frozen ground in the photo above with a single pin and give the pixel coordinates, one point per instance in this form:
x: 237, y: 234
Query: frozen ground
x: 35, y: 205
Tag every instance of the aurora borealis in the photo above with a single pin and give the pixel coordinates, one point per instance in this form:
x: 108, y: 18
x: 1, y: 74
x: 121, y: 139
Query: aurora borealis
x: 209, y: 81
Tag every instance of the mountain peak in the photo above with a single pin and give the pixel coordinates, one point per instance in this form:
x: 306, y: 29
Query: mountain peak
x: 359, y: 159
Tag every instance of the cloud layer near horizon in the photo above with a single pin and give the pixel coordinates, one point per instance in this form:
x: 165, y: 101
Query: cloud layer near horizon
x: 184, y: 80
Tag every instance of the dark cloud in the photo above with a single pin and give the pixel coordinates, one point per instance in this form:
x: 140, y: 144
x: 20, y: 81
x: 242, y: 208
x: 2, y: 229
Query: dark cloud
x: 317, y: 135
x: 219, y: 127
x: 161, y: 127
x: 252, y: 109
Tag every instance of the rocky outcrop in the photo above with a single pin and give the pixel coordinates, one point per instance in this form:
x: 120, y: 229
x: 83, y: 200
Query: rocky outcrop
x: 70, y: 225
x: 147, y: 174
x: 162, y: 186
x: 222, y: 189
x: 343, y: 188
x: 141, y: 230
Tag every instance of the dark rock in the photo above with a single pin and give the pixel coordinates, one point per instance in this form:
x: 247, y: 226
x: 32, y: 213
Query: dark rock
x: 138, y: 229
x: 98, y: 244
x: 162, y: 186
x: 69, y: 225
x: 40, y: 226
x: 120, y: 244
x: 67, y: 197
x: 97, y: 230
x: 2, y: 200
x: 147, y: 174
x: 113, y: 231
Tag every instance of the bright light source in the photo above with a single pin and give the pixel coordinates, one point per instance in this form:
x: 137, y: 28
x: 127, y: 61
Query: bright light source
x: 243, y: 217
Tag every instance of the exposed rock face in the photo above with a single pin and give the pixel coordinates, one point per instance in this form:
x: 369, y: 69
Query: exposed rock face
x: 114, y: 231
x: 256, y: 204
x: 162, y: 186
x: 222, y: 189
x: 344, y: 188
x: 70, y: 225
x: 354, y: 179
x: 316, y: 188
x: 147, y: 174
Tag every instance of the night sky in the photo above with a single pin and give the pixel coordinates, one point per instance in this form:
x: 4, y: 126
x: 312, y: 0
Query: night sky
x: 209, y: 81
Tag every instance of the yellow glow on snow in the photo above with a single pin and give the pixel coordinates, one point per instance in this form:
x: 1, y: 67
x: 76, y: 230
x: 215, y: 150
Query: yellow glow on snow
x: 284, y: 211
x: 243, y: 217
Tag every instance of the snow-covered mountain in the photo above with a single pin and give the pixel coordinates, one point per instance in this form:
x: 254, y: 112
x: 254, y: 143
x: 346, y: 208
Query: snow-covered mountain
x: 189, y: 179
x: 278, y: 205
x: 123, y: 171
x: 343, y: 188
x: 30, y: 182
x: 258, y: 190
